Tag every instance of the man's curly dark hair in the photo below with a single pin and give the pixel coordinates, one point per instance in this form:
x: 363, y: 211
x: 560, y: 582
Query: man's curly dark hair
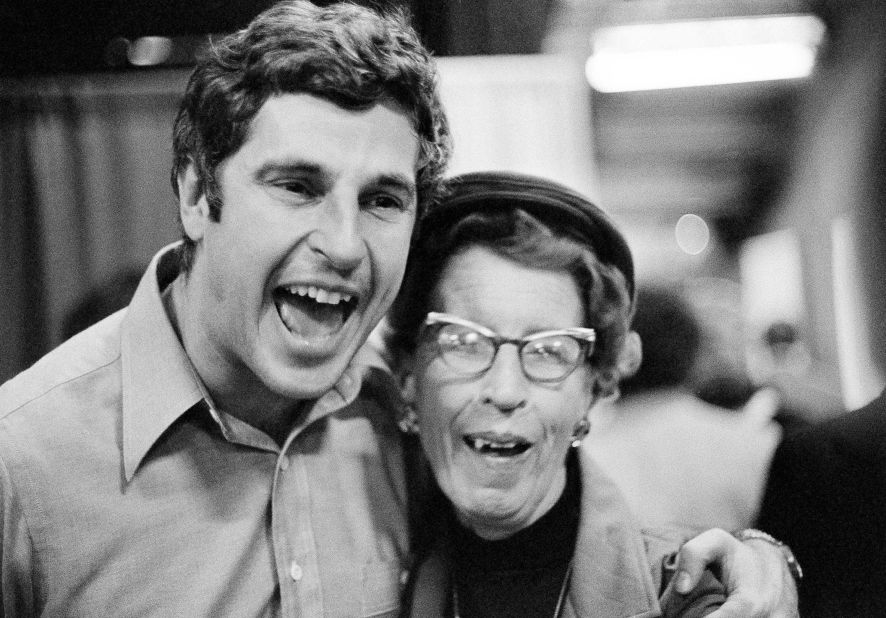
x: 348, y: 54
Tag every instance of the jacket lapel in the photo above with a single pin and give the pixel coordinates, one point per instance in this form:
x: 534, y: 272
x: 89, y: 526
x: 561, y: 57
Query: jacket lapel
x: 611, y: 575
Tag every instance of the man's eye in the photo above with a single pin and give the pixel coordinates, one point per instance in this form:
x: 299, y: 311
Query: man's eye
x: 297, y: 186
x: 383, y: 202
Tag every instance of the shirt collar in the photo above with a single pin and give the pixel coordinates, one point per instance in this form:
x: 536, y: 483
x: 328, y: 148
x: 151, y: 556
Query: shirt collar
x: 159, y: 383
x: 157, y: 378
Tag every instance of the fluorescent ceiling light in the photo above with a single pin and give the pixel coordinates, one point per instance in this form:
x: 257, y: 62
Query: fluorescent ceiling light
x: 703, y: 52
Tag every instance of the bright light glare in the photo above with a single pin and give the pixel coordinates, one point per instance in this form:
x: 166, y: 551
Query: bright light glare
x: 692, y: 234
x: 619, y: 72
x: 149, y: 50
x: 703, y: 53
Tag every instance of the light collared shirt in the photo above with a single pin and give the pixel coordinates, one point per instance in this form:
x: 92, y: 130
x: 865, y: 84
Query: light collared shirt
x: 123, y: 493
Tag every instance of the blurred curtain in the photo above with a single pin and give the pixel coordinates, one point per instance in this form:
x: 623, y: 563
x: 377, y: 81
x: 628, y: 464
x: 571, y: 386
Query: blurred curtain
x: 84, y: 184
x: 21, y: 330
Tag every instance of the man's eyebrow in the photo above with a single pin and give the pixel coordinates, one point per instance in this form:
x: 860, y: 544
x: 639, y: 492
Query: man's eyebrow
x: 397, y: 182
x: 393, y: 182
x: 290, y: 166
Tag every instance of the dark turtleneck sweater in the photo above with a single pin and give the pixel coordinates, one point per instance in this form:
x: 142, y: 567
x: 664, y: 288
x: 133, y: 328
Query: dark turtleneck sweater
x: 522, y: 575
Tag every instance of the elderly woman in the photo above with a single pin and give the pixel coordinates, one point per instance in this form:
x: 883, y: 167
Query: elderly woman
x: 511, y: 323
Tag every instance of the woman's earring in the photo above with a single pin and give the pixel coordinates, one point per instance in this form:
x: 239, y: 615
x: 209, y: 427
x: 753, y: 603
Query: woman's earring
x: 408, y: 422
x: 582, y: 428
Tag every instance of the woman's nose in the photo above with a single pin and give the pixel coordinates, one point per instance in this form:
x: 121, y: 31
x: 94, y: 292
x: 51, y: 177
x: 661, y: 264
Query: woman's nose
x: 505, y: 385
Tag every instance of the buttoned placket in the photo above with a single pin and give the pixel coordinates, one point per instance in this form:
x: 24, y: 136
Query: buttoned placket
x: 293, y: 545
x: 294, y: 542
x: 293, y: 537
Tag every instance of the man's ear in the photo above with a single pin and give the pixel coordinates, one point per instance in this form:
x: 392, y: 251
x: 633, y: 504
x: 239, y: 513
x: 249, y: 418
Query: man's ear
x: 192, y: 205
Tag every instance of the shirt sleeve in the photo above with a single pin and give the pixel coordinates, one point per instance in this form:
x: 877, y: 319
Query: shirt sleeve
x: 16, y: 553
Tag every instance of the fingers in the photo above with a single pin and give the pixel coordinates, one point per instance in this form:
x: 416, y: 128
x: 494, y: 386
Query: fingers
x: 712, y: 548
x: 737, y: 569
x: 754, y: 574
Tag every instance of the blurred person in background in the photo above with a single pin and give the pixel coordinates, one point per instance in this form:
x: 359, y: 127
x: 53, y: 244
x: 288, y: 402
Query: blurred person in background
x: 678, y: 458
x: 826, y: 496
x: 101, y: 301
x: 782, y: 361
x: 512, y: 322
x: 719, y: 373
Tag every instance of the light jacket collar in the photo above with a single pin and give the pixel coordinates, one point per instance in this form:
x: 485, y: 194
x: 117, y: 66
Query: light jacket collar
x: 610, y: 559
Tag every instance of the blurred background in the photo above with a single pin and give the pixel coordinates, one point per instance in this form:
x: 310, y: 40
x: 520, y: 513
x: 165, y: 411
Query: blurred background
x: 739, y: 143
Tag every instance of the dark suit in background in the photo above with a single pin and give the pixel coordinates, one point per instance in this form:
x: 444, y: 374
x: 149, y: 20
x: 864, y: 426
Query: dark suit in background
x: 826, y: 498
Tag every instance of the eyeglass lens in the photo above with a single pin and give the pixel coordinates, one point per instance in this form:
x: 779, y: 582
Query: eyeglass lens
x: 470, y: 352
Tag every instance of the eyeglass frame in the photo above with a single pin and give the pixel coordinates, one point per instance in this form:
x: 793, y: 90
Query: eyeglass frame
x: 584, y: 336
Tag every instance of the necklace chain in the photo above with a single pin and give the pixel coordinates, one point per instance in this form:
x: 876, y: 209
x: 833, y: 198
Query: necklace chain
x: 560, y: 598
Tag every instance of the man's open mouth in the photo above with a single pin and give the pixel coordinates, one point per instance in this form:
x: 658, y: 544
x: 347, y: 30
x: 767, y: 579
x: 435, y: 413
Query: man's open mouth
x: 312, y: 312
x: 497, y: 445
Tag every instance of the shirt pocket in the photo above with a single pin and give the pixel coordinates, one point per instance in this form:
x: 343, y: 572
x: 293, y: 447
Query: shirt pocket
x: 382, y: 587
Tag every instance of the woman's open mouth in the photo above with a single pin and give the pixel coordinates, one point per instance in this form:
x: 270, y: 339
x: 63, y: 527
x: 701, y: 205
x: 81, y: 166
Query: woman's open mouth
x: 312, y: 312
x: 496, y: 445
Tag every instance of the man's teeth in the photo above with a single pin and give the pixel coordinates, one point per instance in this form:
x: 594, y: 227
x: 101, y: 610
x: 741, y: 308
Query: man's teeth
x: 318, y: 294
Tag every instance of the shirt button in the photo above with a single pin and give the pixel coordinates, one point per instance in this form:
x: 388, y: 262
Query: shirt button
x: 284, y: 463
x: 295, y: 571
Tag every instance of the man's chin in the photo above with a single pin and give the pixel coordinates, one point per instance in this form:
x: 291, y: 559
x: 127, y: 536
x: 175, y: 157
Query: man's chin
x: 305, y: 377
x: 298, y: 368
x: 303, y: 383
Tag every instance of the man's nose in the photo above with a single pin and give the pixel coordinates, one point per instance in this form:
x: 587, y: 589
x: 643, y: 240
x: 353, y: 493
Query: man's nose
x: 505, y: 385
x: 338, y: 234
